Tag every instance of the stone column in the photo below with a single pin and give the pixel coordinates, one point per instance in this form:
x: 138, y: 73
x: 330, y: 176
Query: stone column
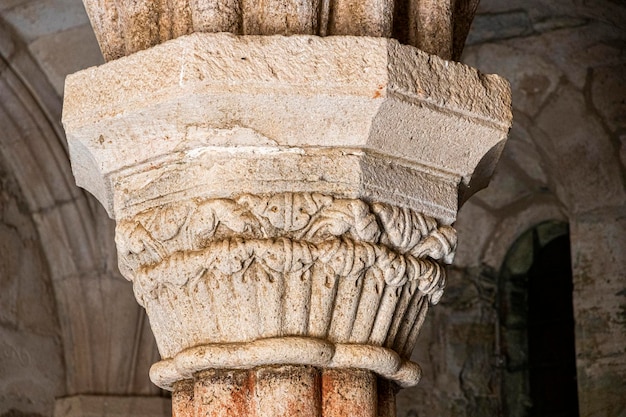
x: 284, y: 208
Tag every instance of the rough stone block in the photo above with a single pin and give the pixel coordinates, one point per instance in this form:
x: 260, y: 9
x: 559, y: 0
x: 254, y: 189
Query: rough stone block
x: 273, y: 114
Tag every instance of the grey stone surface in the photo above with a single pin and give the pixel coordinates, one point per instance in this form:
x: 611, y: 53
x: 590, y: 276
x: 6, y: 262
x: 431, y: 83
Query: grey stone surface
x: 34, y: 19
x: 532, y: 77
x: 575, y: 50
x: 608, y: 95
x: 456, y: 351
x: 524, y: 155
x: 507, y: 186
x: 622, y: 149
x: 474, y: 224
x: 112, y: 406
x: 580, y: 153
x: 598, y: 242
x: 492, y: 27
x: 74, y: 239
x: 31, y: 362
x: 65, y: 52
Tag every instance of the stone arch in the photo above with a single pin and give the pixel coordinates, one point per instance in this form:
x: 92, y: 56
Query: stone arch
x: 564, y: 146
x: 510, y: 228
x: 107, y: 344
x: 517, y: 286
x: 31, y: 357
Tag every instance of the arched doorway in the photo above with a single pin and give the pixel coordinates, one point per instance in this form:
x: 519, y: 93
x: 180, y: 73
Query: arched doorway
x: 537, y: 325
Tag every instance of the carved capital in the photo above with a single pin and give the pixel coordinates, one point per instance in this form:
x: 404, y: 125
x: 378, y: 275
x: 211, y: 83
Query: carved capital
x: 284, y: 200
x: 338, y: 282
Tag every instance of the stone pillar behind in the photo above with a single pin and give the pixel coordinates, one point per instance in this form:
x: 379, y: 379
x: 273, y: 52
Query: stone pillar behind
x: 438, y: 27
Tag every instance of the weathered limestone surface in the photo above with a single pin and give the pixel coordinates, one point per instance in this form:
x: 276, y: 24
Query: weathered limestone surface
x: 57, y: 34
x: 60, y: 262
x: 319, y: 273
x: 31, y: 360
x: 284, y: 201
x: 600, y: 310
x: 329, y: 118
x: 539, y: 45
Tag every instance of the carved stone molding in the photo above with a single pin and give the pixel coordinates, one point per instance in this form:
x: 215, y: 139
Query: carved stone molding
x: 338, y: 271
x: 216, y: 115
x: 154, y: 235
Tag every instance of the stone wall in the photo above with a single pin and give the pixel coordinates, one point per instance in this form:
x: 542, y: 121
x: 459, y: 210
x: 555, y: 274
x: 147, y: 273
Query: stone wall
x: 105, y: 341
x: 564, y: 161
x: 57, y: 34
x: 31, y: 362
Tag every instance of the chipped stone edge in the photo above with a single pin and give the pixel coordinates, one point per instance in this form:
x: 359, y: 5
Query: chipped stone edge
x: 407, y: 69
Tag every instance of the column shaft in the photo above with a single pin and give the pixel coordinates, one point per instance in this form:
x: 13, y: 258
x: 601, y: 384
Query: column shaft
x: 284, y: 391
x: 349, y: 393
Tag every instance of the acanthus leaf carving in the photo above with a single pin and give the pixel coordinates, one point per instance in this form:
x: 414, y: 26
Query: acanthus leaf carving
x: 357, y: 266
x: 150, y: 236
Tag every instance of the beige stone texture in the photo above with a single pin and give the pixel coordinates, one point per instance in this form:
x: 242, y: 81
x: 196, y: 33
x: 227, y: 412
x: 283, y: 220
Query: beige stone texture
x: 572, y: 44
x: 278, y: 211
x: 290, y: 278
x: 435, y: 16
x: 373, y: 100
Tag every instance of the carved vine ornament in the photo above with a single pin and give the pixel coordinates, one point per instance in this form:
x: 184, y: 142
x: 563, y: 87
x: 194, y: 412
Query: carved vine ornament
x: 337, y: 277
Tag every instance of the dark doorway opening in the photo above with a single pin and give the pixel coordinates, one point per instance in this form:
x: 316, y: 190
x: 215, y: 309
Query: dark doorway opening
x: 551, y: 353
x: 537, y: 325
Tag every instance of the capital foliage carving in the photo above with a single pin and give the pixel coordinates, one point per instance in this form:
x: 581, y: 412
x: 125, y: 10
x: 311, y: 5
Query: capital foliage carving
x: 222, y: 271
x: 348, y: 234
